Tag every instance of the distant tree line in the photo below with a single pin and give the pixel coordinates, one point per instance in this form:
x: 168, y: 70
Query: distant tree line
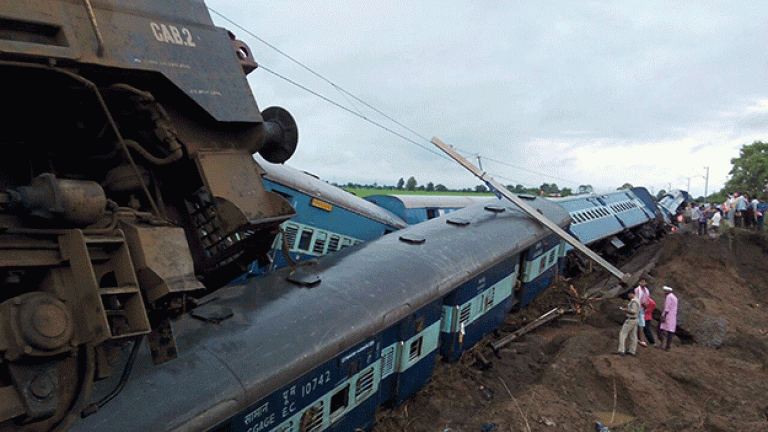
x: 546, y: 189
x: 749, y: 175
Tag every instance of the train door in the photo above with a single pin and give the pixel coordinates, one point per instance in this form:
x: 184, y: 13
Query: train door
x: 409, y: 349
x: 539, y: 265
x: 477, y: 307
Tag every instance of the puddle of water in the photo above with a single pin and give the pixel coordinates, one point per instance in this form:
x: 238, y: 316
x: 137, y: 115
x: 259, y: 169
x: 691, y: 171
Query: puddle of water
x: 619, y: 419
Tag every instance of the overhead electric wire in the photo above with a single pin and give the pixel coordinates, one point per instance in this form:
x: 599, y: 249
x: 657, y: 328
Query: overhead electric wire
x: 345, y: 93
x: 310, y: 70
x: 338, y: 105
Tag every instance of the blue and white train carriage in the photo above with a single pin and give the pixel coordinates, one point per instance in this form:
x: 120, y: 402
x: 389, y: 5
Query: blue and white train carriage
x: 608, y: 223
x: 321, y: 346
x: 417, y: 208
x: 327, y: 219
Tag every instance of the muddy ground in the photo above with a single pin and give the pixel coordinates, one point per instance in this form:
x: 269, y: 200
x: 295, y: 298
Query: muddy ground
x: 564, y: 377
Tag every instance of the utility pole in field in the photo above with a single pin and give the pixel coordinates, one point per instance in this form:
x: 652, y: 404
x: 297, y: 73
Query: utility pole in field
x: 706, y: 183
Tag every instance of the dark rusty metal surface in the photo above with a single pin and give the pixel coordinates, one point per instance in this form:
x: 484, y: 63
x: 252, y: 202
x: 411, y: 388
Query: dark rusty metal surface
x: 38, y: 384
x: 114, y: 104
x: 175, y: 39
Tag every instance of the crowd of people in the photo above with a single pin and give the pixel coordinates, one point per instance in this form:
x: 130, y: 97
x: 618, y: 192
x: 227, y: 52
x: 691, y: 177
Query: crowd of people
x: 637, y: 325
x: 738, y: 211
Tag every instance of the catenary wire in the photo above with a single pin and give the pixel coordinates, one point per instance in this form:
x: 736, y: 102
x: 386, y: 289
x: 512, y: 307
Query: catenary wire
x: 345, y: 93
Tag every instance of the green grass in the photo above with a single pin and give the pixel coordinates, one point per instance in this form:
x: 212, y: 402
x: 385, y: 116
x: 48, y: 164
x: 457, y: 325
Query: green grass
x: 364, y: 192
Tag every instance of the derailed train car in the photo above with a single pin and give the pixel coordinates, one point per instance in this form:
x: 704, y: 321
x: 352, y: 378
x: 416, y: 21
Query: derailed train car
x: 418, y: 208
x: 322, y: 346
x: 127, y: 188
x: 327, y: 219
x: 609, y: 222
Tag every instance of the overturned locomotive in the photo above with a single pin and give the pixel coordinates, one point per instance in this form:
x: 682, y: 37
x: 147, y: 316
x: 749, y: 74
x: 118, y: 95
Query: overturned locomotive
x: 127, y: 187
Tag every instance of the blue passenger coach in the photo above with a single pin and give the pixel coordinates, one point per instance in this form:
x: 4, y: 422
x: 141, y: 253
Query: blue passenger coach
x: 418, y: 208
x: 611, y: 218
x: 320, y: 347
x: 328, y: 218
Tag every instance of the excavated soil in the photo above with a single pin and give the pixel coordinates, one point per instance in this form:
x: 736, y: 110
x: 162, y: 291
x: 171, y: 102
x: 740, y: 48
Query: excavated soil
x: 564, y: 377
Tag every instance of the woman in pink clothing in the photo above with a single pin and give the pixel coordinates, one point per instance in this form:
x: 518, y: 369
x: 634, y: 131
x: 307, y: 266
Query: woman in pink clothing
x: 668, y: 319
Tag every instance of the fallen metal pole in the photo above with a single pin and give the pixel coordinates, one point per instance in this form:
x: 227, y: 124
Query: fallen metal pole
x: 501, y: 190
x: 547, y: 317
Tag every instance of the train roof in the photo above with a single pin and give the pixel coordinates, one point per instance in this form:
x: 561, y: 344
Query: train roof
x: 436, y: 201
x: 311, y: 185
x: 279, y: 331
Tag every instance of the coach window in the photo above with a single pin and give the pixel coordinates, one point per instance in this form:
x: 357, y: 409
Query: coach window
x: 305, y: 240
x: 333, y: 243
x: 414, y: 351
x: 339, y: 401
x: 320, y: 240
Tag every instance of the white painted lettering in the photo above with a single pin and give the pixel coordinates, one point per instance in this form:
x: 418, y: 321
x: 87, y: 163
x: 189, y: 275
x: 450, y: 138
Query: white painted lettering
x: 172, y: 34
x: 289, y: 409
x: 156, y: 31
x: 176, y: 35
x: 265, y: 423
x: 258, y: 412
x: 166, y: 33
x: 188, y: 37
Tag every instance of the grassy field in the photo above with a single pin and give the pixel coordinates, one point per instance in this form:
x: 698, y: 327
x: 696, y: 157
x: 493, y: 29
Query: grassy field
x: 364, y: 192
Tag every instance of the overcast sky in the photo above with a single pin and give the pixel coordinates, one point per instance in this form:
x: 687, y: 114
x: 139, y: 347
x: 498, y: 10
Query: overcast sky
x: 566, y: 92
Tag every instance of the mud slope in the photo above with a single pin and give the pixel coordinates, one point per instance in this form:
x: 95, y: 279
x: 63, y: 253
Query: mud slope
x: 563, y: 377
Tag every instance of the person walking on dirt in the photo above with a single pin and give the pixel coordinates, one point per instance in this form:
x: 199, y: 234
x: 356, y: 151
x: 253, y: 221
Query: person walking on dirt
x: 642, y: 294
x: 629, y: 329
x: 668, y: 319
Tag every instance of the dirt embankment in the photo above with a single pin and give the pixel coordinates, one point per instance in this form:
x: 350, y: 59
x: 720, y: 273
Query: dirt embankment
x: 564, y: 377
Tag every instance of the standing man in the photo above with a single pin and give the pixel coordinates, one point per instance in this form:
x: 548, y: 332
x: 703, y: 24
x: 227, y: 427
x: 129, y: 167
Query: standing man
x: 695, y: 213
x: 668, y: 319
x: 642, y: 294
x: 716, y: 221
x: 732, y: 210
x: 702, y: 220
x: 762, y: 207
x: 629, y: 329
x: 741, y: 209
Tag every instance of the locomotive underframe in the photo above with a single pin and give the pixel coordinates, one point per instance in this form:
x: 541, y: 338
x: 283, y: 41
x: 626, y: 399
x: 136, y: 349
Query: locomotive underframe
x: 120, y: 203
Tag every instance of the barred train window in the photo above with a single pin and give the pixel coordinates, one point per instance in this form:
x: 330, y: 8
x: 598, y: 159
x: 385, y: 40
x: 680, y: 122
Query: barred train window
x: 333, y: 244
x: 464, y: 314
x: 364, y: 384
x: 320, y: 239
x: 312, y: 419
x: 415, y: 349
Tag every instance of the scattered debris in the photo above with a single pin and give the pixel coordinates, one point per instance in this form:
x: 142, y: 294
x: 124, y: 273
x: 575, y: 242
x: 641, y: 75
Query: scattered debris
x: 600, y: 428
x: 489, y: 427
x: 563, y: 371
